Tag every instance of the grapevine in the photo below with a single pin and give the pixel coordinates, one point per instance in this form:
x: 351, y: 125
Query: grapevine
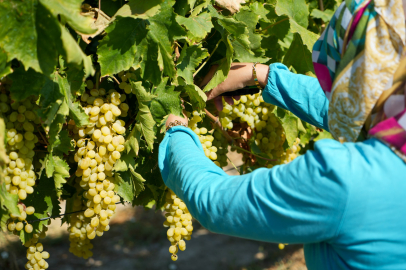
x: 82, y: 123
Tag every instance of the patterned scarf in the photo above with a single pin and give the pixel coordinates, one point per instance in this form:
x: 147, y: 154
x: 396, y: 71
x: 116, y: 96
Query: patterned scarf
x: 354, y: 60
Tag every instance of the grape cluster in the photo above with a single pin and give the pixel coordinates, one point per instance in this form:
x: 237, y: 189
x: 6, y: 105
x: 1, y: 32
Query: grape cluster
x: 179, y: 221
x: 16, y: 223
x: 99, y: 147
x: 80, y: 225
x: 269, y: 134
x: 20, y: 119
x: 36, y: 257
x: 213, y: 146
x: 124, y: 76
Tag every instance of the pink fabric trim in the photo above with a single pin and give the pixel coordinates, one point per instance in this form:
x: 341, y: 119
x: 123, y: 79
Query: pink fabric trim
x: 397, y: 140
x: 323, y: 75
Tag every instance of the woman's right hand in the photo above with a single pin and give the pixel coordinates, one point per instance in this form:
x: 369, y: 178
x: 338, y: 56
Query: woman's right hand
x: 240, y: 76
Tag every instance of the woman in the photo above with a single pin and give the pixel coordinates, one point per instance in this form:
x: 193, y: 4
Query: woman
x: 346, y: 202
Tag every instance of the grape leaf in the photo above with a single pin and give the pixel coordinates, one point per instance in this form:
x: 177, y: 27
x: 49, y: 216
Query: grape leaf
x: 324, y: 135
x: 296, y: 10
x: 190, y: 58
x: 324, y: 15
x: 197, y: 97
x: 166, y: 102
x: 237, y: 29
x: 57, y: 169
x: 28, y: 33
x: 26, y: 83
x: 223, y: 68
x: 140, y: 9
x: 56, y: 126
x: 250, y: 18
x: 74, y: 54
x: 8, y: 201
x: 164, y: 30
x: 147, y: 166
x: 5, y: 67
x: 198, y: 26
x: 26, y: 27
x: 132, y: 141
x: 77, y: 113
x: 128, y: 183
x: 46, y: 204
x: 118, y: 48
x: 64, y: 144
x: 70, y: 10
x: 147, y: 59
x: 298, y: 56
x: 289, y: 123
x: 197, y: 9
x: 76, y: 78
x: 144, y: 116
x: 308, y: 37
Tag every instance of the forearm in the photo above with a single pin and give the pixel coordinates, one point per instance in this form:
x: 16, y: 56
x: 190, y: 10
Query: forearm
x: 297, y: 93
x: 264, y: 205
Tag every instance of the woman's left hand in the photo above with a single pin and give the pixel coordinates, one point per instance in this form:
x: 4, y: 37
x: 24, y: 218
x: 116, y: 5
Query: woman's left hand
x: 173, y: 118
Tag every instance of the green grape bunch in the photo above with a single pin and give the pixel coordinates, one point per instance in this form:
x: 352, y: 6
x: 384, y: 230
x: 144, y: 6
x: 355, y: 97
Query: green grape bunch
x: 20, y: 119
x: 179, y: 222
x: 99, y: 146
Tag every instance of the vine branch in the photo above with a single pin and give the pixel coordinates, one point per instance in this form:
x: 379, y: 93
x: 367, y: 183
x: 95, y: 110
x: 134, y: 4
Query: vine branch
x: 218, y: 125
x: 269, y: 26
x: 207, y: 60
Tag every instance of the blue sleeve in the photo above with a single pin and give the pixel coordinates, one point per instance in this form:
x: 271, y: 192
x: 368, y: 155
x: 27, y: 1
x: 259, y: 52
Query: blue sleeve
x: 300, y: 94
x: 300, y: 202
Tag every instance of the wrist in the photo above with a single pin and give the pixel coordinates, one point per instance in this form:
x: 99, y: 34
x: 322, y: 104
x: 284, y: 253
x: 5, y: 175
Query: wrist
x: 262, y: 75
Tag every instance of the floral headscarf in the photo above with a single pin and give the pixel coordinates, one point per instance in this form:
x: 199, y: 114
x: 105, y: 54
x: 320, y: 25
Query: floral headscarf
x: 355, y: 60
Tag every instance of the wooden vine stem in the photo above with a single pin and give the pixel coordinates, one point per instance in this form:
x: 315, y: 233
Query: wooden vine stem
x: 217, y: 123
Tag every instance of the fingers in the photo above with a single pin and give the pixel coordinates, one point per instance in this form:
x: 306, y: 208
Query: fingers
x: 229, y: 100
x: 218, y: 102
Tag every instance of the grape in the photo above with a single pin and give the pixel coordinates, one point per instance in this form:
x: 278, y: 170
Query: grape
x: 21, y: 141
x: 213, y: 142
x: 179, y: 221
x: 98, y: 149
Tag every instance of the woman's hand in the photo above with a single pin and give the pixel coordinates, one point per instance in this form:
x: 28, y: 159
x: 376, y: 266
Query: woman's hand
x: 240, y: 76
x: 172, y: 118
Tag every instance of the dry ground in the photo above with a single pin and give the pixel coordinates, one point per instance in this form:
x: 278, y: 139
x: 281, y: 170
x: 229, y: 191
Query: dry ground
x: 137, y: 240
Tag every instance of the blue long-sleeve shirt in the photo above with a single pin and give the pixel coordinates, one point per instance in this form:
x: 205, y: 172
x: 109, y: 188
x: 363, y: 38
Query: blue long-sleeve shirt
x: 345, y: 202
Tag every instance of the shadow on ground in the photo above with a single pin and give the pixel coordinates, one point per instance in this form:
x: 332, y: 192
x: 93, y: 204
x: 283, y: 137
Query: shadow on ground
x: 137, y: 240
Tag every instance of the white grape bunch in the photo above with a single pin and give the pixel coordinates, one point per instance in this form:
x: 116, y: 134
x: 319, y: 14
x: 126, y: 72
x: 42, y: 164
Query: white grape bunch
x: 213, y: 143
x: 179, y: 223
x: 80, y: 244
x: 99, y: 146
x: 35, y: 254
x: 36, y: 257
x: 269, y: 134
x: 20, y: 118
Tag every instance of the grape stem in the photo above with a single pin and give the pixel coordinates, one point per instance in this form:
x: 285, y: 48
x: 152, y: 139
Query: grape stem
x: 235, y: 167
x: 112, y: 76
x: 207, y: 60
x: 242, y: 149
x: 217, y: 123
x: 57, y: 216
x: 269, y: 26
x: 42, y: 136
